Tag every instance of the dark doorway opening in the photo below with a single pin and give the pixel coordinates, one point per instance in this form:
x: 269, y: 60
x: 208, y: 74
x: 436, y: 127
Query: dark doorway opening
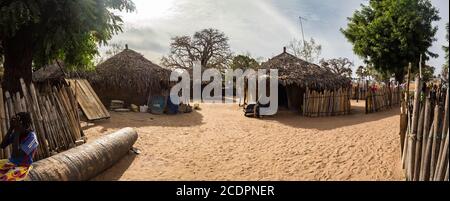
x: 282, y: 97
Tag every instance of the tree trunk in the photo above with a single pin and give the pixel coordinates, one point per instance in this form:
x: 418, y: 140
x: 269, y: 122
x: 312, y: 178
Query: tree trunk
x: 400, y: 77
x: 18, y: 55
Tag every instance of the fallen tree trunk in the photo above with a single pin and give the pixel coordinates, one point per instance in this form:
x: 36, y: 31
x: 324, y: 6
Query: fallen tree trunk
x: 87, y: 161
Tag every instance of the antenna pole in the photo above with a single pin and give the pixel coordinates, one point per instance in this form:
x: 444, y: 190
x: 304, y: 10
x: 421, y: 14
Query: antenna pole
x: 301, y: 26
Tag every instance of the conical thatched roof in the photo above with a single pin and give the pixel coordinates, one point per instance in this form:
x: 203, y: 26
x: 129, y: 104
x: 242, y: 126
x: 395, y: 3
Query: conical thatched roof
x: 50, y: 72
x: 130, y: 70
x: 293, y: 70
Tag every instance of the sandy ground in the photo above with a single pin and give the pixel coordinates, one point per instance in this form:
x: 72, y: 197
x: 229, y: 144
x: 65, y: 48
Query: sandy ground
x: 219, y: 143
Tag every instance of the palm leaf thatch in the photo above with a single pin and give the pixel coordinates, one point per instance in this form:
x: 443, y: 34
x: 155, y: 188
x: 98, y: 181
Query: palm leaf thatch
x: 293, y: 70
x: 130, y: 70
x: 52, y: 72
x: 128, y: 76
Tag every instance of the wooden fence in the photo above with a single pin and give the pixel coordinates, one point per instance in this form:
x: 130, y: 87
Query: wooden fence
x: 359, y: 90
x: 425, y: 147
x: 382, y: 98
x: 326, y: 103
x: 54, y: 116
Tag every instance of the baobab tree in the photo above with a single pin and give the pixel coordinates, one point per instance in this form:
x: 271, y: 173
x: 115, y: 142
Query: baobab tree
x: 340, y: 66
x: 209, y: 46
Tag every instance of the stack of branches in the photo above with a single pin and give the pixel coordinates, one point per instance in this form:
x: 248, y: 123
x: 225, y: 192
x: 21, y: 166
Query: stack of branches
x: 326, y: 103
x: 54, y: 117
x: 382, y: 98
x: 425, y: 154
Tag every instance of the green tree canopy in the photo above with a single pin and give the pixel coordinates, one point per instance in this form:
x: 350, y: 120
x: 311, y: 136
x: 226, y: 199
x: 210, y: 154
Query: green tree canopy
x: 389, y: 34
x: 428, y: 72
x: 38, y: 32
x: 244, y: 62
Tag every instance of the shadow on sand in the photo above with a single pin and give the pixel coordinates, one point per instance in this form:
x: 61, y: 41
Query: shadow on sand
x: 357, y: 116
x: 121, y: 120
x: 115, y: 172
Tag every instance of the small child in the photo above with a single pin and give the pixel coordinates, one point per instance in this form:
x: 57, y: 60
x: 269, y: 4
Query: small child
x: 24, y: 145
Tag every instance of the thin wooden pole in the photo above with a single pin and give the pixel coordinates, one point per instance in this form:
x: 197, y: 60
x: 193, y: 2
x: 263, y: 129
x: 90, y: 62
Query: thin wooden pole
x: 412, y: 136
x: 446, y: 172
x: 9, y: 114
x: 443, y: 161
x: 445, y: 123
x: 418, y: 152
x: 425, y: 169
x: 2, y: 122
x: 436, y: 141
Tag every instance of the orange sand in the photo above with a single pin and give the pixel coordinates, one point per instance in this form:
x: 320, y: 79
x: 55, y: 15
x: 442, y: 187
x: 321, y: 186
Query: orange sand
x: 219, y: 143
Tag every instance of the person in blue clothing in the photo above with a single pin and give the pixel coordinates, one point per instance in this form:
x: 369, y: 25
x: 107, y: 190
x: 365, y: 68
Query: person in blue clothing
x: 24, y: 143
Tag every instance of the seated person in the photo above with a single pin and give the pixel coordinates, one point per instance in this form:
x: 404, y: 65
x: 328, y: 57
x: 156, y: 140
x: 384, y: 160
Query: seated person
x: 24, y: 145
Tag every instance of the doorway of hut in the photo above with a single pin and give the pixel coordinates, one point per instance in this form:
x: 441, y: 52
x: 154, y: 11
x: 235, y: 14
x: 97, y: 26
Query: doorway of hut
x: 282, y: 97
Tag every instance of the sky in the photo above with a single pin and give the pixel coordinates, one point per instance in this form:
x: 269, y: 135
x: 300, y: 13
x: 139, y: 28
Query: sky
x: 258, y: 27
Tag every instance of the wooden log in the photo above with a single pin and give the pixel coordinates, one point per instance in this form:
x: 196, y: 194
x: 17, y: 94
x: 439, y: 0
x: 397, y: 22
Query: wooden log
x: 87, y: 161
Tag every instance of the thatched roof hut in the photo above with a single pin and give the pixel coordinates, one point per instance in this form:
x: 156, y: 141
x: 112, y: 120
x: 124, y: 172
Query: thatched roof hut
x: 130, y: 77
x: 293, y: 70
x: 296, y: 75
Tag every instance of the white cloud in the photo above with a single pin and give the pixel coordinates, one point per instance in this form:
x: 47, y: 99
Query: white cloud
x: 261, y: 27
